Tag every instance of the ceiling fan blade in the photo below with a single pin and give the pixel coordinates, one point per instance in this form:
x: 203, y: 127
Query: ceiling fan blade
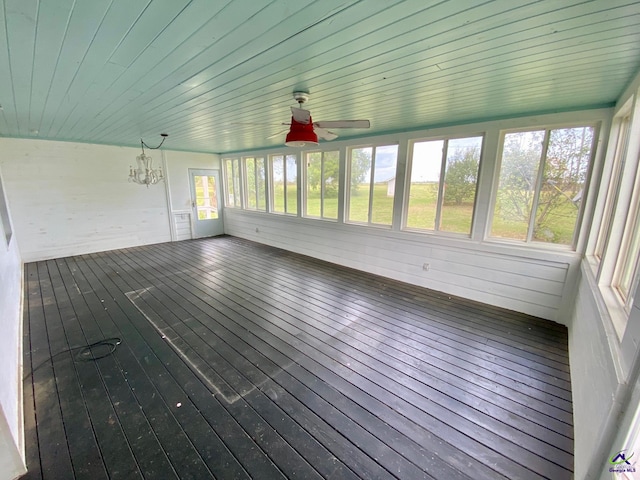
x: 301, y: 115
x: 258, y: 123
x: 279, y: 134
x: 324, y: 133
x: 343, y: 124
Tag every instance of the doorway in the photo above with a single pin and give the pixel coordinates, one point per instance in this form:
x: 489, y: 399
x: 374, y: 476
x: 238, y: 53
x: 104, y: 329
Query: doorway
x: 205, y: 203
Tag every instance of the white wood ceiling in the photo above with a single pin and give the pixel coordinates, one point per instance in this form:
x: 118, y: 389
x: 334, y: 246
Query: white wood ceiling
x: 111, y: 71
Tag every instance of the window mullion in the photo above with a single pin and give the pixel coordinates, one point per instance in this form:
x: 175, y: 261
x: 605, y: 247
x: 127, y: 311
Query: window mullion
x: 371, y: 177
x: 538, y: 186
x: 322, y: 185
x: 285, y: 182
x: 440, y: 200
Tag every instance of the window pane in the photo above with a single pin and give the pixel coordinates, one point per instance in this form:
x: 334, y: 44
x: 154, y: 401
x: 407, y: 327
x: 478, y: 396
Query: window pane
x: 278, y: 187
x: 518, y: 176
x: 565, y: 174
x: 331, y: 180
x: 292, y: 184
x: 250, y: 173
x: 261, y: 202
x: 206, y: 202
x: 236, y: 182
x: 384, y: 176
x: 629, y: 265
x: 230, y: 183
x: 461, y: 177
x: 614, y: 186
x: 426, y: 163
x: 314, y: 190
x: 360, y: 177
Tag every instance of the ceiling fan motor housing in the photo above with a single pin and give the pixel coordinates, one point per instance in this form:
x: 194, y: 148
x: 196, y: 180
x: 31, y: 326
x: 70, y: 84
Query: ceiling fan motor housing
x: 301, y: 134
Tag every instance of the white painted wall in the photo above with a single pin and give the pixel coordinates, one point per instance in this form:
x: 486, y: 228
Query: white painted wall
x: 71, y: 198
x: 11, y: 436
x: 178, y: 165
x: 179, y: 188
x: 594, y: 377
x: 504, y: 277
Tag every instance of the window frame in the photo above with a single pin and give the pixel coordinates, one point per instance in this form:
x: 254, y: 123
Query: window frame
x: 347, y: 188
x: 245, y: 181
x: 529, y: 242
x: 305, y: 185
x: 613, y: 185
x: 236, y: 179
x: 441, y: 185
x: 271, y: 186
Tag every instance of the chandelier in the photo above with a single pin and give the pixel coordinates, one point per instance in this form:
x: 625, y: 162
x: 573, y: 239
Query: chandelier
x: 145, y: 174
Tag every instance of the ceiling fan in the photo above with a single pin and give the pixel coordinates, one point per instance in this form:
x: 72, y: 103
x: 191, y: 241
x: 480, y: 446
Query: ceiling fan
x: 304, y: 131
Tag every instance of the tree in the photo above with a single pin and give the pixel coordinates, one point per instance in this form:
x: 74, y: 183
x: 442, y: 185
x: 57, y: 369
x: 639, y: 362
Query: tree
x: 360, y: 167
x: 461, y: 176
x: 315, y: 171
x: 564, y: 173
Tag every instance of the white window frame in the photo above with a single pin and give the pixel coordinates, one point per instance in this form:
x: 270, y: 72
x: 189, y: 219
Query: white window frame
x: 529, y: 241
x: 441, y: 183
x: 305, y: 185
x: 271, y: 184
x: 347, y: 188
x: 236, y: 180
x: 245, y: 162
x: 620, y: 219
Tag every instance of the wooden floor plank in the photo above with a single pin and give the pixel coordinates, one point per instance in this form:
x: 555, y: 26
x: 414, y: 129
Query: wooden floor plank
x: 355, y: 318
x: 319, y: 352
x: 239, y: 360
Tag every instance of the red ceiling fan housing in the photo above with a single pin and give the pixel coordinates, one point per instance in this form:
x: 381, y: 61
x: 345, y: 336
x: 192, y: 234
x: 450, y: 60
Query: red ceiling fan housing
x: 301, y: 134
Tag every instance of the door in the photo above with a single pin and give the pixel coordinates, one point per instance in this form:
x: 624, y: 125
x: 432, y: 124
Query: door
x: 206, y: 204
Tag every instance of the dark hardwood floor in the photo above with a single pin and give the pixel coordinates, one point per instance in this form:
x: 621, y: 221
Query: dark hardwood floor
x: 233, y: 359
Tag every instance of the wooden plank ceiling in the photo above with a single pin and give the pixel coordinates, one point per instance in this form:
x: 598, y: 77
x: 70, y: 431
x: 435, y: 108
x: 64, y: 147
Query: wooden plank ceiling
x: 111, y: 71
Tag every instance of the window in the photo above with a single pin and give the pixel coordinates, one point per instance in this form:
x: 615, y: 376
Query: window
x: 321, y: 182
x: 442, y: 184
x: 614, y: 185
x: 254, y: 173
x: 284, y: 183
x: 626, y: 271
x: 233, y: 197
x: 371, y: 179
x: 541, y: 184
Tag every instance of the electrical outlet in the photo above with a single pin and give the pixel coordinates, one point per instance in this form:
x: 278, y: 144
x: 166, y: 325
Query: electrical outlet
x: 426, y: 267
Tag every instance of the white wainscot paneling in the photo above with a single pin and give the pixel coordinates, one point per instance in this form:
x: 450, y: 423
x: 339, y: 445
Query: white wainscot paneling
x: 500, y: 276
x: 182, y: 225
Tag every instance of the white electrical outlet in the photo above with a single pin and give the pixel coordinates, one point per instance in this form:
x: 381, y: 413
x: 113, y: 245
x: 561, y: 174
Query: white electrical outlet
x: 426, y: 267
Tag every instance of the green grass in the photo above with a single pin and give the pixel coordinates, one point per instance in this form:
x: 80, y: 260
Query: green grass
x: 422, y: 211
x: 292, y: 198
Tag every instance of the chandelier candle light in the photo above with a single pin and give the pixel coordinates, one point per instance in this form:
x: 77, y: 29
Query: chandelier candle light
x: 145, y: 174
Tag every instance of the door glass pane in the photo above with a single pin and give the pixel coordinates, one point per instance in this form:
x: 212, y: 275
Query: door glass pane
x: 206, y: 200
x: 518, y: 177
x: 426, y: 163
